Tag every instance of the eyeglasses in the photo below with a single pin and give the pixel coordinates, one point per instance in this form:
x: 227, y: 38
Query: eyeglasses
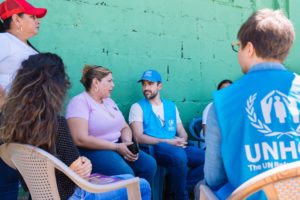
x: 235, y: 46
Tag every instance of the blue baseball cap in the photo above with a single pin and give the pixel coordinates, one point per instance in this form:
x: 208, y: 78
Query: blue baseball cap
x: 151, y: 75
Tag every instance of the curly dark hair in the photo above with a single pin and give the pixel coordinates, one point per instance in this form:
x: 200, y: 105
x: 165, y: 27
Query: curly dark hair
x: 35, y: 101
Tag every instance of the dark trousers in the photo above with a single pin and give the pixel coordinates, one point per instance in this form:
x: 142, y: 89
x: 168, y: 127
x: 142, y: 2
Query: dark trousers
x: 111, y: 163
x: 184, y: 166
x: 9, y: 182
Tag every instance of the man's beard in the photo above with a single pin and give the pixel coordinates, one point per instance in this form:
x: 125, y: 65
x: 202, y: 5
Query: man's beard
x: 151, y: 96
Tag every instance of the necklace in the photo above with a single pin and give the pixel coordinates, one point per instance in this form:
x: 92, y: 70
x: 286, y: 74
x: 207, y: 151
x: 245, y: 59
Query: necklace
x: 107, y: 110
x: 161, y: 120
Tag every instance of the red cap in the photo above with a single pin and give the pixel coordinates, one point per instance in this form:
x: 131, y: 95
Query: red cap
x: 10, y: 7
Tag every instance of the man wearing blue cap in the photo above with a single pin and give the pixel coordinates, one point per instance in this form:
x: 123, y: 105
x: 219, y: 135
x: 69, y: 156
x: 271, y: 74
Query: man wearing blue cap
x: 156, y: 121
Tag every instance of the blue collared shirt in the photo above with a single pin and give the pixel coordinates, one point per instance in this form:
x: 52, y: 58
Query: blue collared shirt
x: 214, y: 172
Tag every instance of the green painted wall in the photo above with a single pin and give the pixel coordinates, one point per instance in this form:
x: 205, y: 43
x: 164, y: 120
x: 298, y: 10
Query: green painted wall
x: 187, y: 41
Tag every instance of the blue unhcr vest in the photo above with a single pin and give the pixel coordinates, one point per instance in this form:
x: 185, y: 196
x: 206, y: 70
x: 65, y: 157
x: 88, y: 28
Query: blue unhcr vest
x: 151, y: 123
x: 259, y: 122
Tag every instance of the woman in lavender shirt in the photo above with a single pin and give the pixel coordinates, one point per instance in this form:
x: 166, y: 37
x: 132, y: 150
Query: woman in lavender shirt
x: 100, y: 130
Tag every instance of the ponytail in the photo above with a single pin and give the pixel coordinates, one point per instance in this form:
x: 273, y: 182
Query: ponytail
x: 5, y: 25
x: 90, y: 72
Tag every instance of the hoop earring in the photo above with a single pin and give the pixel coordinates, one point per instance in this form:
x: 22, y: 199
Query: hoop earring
x: 96, y: 89
x: 20, y: 30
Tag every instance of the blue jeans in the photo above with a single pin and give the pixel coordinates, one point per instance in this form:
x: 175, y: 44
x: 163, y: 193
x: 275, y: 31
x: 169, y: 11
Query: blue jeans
x: 120, y: 194
x: 111, y: 163
x: 9, y: 182
x: 178, y: 161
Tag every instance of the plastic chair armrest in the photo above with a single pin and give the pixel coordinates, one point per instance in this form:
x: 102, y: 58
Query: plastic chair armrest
x: 206, y: 193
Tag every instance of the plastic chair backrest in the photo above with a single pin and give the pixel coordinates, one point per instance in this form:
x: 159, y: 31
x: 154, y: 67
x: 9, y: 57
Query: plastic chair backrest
x: 37, y: 167
x: 282, y: 182
x: 195, y: 127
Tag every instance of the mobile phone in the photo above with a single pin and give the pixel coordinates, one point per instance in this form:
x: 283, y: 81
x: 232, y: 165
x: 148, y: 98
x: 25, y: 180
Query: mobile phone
x: 134, y: 148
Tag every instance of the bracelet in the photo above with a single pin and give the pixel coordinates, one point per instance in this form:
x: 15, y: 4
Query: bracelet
x: 117, y: 147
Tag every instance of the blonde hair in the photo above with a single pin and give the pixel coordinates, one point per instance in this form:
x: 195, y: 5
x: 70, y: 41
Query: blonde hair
x: 90, y: 72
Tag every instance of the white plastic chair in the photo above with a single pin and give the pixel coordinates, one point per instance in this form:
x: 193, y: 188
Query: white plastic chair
x: 37, y: 167
x: 282, y: 182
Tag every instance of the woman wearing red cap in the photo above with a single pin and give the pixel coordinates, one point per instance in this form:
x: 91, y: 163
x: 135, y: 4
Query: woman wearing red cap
x: 19, y: 22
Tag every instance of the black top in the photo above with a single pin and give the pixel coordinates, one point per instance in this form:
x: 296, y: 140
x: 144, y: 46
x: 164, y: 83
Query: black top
x: 67, y: 152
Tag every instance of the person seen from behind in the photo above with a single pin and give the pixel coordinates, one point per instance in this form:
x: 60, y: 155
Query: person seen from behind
x: 256, y: 120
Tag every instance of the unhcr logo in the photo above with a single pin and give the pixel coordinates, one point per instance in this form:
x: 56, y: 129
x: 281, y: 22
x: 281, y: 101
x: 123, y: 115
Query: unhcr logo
x: 282, y: 106
x: 171, y: 125
x: 148, y: 73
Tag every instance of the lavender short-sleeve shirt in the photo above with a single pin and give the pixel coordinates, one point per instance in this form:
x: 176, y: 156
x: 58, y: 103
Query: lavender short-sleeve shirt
x: 105, y: 121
